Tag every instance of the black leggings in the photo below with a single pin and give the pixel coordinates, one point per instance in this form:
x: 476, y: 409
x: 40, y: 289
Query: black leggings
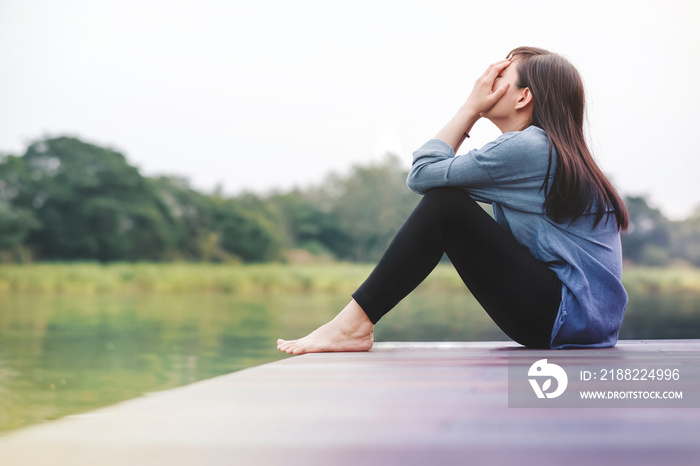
x: 520, y: 293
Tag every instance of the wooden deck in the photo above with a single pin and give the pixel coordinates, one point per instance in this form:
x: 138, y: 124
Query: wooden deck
x: 399, y: 404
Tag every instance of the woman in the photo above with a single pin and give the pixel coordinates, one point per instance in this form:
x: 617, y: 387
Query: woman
x: 548, y: 268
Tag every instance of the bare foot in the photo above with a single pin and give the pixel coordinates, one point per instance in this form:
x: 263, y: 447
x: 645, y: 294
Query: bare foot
x: 350, y: 330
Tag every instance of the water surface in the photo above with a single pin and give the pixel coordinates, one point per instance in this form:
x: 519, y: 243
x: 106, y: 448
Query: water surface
x: 61, y: 355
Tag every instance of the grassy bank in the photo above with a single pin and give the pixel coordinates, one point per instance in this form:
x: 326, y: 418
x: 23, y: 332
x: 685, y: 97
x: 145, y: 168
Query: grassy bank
x: 82, y: 278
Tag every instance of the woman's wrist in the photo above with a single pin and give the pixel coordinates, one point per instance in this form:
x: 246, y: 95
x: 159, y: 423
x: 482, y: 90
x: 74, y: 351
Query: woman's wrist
x: 466, y: 117
x: 471, y: 117
x: 457, y: 129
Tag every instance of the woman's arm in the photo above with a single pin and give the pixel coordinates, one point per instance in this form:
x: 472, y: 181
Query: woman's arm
x: 457, y: 129
x: 435, y: 165
x: 481, y: 99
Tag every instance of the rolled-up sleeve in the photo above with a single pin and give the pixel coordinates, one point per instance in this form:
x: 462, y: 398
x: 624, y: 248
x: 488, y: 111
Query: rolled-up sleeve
x: 435, y: 165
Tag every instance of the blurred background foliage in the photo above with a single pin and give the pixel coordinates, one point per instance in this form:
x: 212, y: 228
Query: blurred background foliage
x: 67, y: 200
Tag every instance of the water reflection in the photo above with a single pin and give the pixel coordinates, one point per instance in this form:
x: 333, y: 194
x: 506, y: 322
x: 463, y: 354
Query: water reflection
x: 63, y: 355
x: 66, y: 355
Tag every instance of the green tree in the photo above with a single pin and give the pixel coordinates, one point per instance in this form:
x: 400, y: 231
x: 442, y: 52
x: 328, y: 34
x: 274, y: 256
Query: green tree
x: 193, y: 214
x: 91, y: 204
x: 648, y: 238
x: 305, y: 224
x: 246, y: 233
x: 15, y: 222
x: 370, y: 205
x: 213, y: 228
x: 686, y: 239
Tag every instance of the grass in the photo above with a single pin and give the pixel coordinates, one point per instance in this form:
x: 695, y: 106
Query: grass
x: 650, y: 280
x: 92, y: 278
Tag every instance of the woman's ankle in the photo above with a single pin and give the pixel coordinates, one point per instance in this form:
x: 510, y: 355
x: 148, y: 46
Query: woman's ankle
x: 354, y: 319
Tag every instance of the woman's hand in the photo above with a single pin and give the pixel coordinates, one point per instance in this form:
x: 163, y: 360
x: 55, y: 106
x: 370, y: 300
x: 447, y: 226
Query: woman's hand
x: 485, y: 93
x: 483, y: 97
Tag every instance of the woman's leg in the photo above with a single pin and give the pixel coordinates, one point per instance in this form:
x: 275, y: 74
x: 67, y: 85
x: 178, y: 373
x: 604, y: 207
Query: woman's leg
x: 520, y: 293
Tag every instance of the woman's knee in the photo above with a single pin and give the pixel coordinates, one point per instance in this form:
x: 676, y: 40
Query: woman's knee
x: 449, y: 196
x: 444, y: 191
x: 450, y: 202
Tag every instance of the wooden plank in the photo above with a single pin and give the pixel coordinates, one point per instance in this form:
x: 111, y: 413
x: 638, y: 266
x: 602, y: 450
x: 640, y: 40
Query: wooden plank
x: 401, y: 403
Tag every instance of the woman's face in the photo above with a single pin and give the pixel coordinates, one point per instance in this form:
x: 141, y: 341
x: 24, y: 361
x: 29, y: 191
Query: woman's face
x: 507, y: 106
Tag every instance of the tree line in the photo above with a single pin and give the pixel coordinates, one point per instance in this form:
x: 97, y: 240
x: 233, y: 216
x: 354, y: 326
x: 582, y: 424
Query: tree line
x: 67, y: 200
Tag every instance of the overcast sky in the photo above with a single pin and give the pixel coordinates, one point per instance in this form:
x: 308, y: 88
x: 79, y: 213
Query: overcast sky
x: 272, y: 94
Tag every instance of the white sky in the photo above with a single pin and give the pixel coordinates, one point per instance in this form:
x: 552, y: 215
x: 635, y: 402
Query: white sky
x: 271, y: 94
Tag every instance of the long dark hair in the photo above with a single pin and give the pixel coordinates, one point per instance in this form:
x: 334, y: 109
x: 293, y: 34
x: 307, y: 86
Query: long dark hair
x: 558, y: 108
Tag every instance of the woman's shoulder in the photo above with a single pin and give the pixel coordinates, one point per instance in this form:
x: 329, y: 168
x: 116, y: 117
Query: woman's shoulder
x: 526, y: 150
x: 530, y: 140
x: 533, y: 133
x: 531, y: 136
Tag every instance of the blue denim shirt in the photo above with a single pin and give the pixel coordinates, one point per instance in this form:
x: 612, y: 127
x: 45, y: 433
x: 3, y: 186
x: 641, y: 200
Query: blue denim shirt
x: 508, y: 173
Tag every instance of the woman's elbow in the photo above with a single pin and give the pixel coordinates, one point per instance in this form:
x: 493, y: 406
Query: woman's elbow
x: 414, y: 184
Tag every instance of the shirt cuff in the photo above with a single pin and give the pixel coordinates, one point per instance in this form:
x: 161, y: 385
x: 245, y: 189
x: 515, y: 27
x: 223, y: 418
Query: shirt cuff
x: 435, y: 148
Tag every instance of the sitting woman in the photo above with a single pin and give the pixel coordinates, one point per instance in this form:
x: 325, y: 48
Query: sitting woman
x: 547, y: 268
